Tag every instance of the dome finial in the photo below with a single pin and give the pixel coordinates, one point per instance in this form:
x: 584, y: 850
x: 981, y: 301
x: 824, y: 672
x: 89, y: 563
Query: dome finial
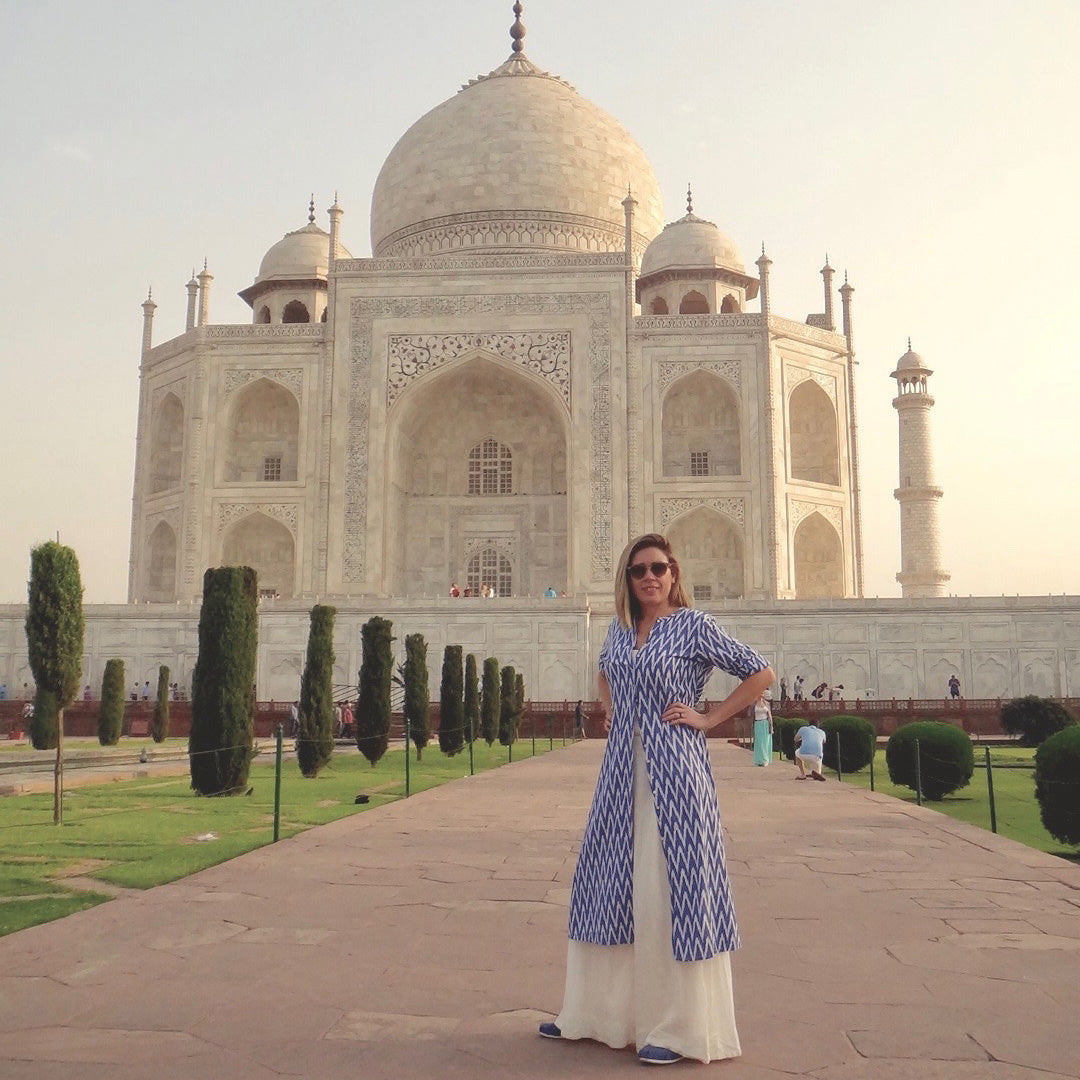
x: 689, y: 199
x: 517, y: 31
x: 909, y: 343
x: 311, y: 210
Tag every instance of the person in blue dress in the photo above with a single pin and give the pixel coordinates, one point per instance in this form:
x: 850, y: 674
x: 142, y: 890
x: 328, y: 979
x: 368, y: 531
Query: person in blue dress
x: 763, y: 730
x: 652, y: 924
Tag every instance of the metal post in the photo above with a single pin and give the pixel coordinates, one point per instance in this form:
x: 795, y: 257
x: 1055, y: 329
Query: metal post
x: 532, y: 724
x: 510, y: 750
x: 406, y: 719
x: 472, y: 770
x: 918, y: 775
x: 839, y: 764
x: 279, y: 735
x: 873, y: 754
x: 551, y: 735
x: 990, y: 791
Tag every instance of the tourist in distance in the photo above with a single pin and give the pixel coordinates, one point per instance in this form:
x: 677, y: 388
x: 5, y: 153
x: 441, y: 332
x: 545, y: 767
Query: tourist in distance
x: 796, y: 688
x: 761, y: 711
x: 809, y: 749
x: 644, y: 965
x: 954, y: 686
x: 454, y: 590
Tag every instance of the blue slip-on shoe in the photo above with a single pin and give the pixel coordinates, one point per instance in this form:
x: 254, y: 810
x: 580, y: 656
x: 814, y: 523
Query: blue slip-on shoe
x: 657, y: 1055
x: 550, y: 1030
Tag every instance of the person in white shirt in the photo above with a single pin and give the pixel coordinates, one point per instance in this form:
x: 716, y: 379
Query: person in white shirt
x: 809, y: 749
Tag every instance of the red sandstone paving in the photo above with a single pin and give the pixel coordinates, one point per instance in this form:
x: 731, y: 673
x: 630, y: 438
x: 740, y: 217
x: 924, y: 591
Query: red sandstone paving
x: 426, y: 938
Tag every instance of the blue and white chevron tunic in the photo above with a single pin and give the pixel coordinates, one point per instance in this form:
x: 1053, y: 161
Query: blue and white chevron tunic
x: 673, y: 665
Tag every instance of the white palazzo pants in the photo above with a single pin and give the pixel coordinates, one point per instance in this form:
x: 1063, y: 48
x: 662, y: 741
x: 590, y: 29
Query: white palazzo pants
x: 639, y: 993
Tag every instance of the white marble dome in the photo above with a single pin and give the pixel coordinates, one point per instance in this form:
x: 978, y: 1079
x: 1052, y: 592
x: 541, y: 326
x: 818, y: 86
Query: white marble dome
x: 911, y: 361
x: 516, y: 160
x: 691, y: 243
x: 299, y: 255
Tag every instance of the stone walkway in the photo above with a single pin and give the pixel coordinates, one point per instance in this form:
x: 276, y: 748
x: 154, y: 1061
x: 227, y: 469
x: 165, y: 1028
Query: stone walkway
x: 426, y: 939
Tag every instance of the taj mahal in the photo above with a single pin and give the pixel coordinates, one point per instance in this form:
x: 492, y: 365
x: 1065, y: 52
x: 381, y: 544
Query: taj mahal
x: 534, y: 366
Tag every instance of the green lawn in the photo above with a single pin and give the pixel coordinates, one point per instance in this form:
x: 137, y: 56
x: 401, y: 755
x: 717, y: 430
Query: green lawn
x: 141, y: 833
x: 1014, y: 797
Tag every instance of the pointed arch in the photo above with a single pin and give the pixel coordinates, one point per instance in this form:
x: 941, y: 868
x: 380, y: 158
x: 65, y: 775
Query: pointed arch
x: 658, y: 306
x: 477, y: 449
x: 166, y: 443
x: 694, y: 303
x: 819, y: 560
x: 701, y: 427
x: 729, y: 305
x: 709, y: 547
x: 161, y: 564
x: 264, y: 314
x: 815, y: 447
x: 295, y: 311
x: 263, y: 434
x: 266, y: 545
x: 489, y: 567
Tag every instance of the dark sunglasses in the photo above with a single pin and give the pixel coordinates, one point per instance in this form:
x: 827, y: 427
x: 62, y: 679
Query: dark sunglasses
x: 637, y: 571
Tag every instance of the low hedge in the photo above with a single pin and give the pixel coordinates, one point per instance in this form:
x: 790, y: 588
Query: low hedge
x: 946, y: 757
x: 1035, y: 719
x: 1057, y: 784
x: 784, y: 728
x: 858, y: 740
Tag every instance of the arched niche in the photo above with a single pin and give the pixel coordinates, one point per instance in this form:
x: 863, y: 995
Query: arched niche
x: 815, y: 448
x: 819, y: 560
x: 295, y: 311
x: 161, y: 564
x: 700, y: 427
x: 489, y: 567
x: 268, y: 548
x: 263, y: 315
x: 435, y: 520
x: 263, y: 434
x: 166, y: 443
x: 694, y: 303
x: 729, y: 305
x: 658, y: 306
x: 709, y: 547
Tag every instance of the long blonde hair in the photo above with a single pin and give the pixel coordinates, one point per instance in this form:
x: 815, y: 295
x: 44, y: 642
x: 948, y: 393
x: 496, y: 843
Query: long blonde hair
x: 626, y: 606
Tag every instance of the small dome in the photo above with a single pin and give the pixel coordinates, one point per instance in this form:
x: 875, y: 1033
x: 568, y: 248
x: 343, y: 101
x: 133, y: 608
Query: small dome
x: 517, y: 159
x: 691, y: 243
x: 299, y: 255
x: 912, y: 361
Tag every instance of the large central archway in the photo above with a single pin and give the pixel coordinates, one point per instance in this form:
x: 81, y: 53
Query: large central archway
x: 477, y: 463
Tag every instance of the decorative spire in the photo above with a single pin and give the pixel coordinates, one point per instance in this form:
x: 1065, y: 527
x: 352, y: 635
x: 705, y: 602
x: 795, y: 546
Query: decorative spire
x: 517, y: 31
x: 909, y: 343
x: 311, y: 210
x: 689, y: 200
x: 150, y: 296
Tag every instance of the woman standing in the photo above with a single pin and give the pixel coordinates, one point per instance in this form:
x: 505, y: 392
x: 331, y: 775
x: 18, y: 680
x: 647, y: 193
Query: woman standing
x: 763, y: 731
x: 651, y: 919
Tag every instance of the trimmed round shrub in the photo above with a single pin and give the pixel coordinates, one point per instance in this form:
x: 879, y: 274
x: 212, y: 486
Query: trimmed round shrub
x: 784, y: 728
x: 1057, y: 784
x: 858, y: 740
x: 946, y: 757
x: 1035, y: 719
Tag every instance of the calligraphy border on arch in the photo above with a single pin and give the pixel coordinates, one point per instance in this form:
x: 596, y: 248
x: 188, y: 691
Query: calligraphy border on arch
x: 362, y: 315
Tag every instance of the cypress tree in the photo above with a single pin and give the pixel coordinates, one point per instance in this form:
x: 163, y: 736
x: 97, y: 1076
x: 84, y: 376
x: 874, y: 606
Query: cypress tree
x: 507, y: 697
x: 472, y: 699
x: 54, y: 638
x: 45, y: 723
x: 452, y: 720
x: 417, y: 705
x: 159, y: 722
x: 111, y: 711
x: 315, y: 744
x: 489, y: 701
x: 519, y: 701
x: 221, y: 744
x: 373, y: 696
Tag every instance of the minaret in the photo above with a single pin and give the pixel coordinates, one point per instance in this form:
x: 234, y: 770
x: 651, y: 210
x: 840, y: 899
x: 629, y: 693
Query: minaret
x: 827, y: 276
x: 205, y: 277
x: 148, y: 309
x: 335, y: 213
x: 846, y: 291
x: 920, y: 546
x: 763, y: 264
x: 192, y: 301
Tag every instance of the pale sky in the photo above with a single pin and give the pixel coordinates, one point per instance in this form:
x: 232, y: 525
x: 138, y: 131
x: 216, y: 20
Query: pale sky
x: 928, y: 147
